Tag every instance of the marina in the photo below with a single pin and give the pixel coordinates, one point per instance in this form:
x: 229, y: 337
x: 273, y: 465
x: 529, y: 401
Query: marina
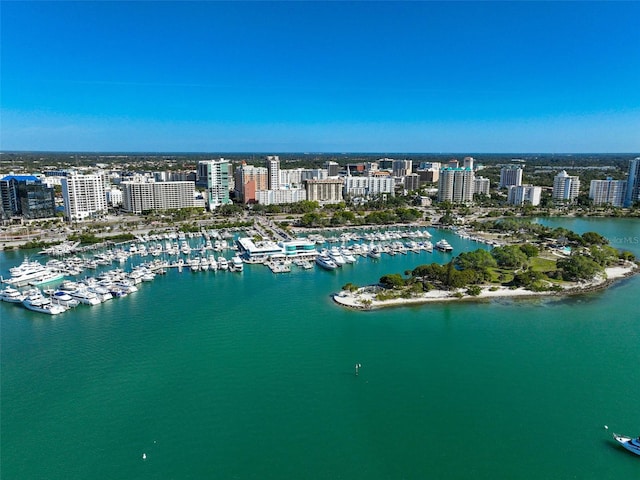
x: 190, y: 356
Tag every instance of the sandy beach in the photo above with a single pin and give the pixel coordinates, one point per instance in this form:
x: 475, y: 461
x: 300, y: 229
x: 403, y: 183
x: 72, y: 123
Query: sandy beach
x: 364, y: 298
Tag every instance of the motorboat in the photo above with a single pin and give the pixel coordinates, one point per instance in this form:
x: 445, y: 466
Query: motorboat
x: 374, y: 252
x: 631, y: 444
x: 336, y: 256
x: 83, y: 295
x: 443, y: 246
x: 63, y: 298
x: 223, y: 263
x: 11, y: 295
x: 36, y: 302
x: 326, y: 262
x: 236, y: 264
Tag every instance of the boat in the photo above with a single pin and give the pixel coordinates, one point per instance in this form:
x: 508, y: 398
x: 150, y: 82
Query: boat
x: 85, y: 296
x: 326, y: 262
x: 11, y: 295
x: 631, y: 444
x: 29, y: 272
x: 223, y: 264
x: 443, y: 246
x: 36, y: 302
x: 336, y: 256
x: 236, y: 264
x: 63, y: 298
x: 374, y: 252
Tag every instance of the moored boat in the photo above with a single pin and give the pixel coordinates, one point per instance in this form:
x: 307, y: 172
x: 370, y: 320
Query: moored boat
x: 444, y: 246
x: 631, y: 444
x: 11, y: 295
x: 326, y: 262
x: 35, y: 301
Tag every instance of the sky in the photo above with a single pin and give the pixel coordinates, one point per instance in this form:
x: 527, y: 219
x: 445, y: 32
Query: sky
x: 320, y: 76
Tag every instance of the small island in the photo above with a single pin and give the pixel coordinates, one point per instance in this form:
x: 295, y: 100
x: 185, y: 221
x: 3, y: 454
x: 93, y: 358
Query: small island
x: 548, y: 262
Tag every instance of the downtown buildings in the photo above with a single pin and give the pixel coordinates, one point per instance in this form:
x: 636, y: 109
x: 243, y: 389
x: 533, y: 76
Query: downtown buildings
x: 565, y: 187
x: 26, y: 196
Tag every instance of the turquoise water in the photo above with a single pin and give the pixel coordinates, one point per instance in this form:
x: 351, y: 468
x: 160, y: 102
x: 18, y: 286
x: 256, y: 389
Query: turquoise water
x: 221, y: 375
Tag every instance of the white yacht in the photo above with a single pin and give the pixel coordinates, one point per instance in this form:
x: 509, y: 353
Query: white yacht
x: 223, y: 264
x: 63, y: 298
x: 325, y: 261
x: 236, y: 264
x: 85, y: 296
x: 35, y: 301
x: 347, y: 255
x: 31, y: 272
x: 11, y: 295
x: 443, y: 246
x: 374, y: 252
x: 336, y: 256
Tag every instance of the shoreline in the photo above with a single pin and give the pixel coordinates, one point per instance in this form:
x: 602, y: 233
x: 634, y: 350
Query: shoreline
x: 364, y: 297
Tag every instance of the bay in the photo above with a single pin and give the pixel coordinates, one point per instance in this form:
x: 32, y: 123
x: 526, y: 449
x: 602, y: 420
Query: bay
x: 251, y: 375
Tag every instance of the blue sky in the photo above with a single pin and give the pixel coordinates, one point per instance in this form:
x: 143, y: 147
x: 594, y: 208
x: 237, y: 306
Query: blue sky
x: 320, y: 76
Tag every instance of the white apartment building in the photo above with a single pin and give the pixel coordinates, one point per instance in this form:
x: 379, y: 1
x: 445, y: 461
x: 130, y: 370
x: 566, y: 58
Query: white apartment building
x: 139, y: 197
x: 277, y: 197
x: 481, y: 185
x: 369, y: 186
x: 510, y: 175
x: 565, y: 187
x: 84, y: 195
x: 611, y: 192
x: 521, y: 194
x: 456, y: 185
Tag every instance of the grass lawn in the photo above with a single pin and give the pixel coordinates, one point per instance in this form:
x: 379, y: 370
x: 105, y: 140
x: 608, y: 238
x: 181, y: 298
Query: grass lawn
x: 539, y: 264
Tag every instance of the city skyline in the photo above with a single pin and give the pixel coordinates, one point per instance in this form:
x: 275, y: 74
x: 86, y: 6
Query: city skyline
x: 480, y: 77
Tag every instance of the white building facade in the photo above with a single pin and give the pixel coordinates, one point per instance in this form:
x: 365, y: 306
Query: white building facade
x: 84, y: 195
x: 608, y: 192
x: 510, y: 175
x: 216, y: 173
x: 521, y: 194
x: 565, y: 187
x: 456, y: 185
x: 140, y: 197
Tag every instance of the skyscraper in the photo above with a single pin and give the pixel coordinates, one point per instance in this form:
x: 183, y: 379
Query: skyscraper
x: 273, y: 167
x: 565, y: 187
x: 456, y: 185
x: 633, y: 183
x: 608, y: 191
x: 510, y: 175
x: 217, y: 174
x: 84, y: 195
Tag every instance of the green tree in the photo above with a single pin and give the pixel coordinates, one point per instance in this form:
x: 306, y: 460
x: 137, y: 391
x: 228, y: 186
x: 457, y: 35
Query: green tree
x: 509, y: 256
x: 578, y: 267
x: 392, y: 280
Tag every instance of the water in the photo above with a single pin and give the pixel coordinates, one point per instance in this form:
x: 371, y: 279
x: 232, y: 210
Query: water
x: 222, y: 375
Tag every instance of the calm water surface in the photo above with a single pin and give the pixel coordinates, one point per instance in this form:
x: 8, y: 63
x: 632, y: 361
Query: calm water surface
x: 221, y: 375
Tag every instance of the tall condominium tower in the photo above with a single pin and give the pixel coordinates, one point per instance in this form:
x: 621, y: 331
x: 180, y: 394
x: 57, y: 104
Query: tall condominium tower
x: 607, y: 191
x: 510, y: 175
x: 217, y: 174
x: 565, y: 187
x: 633, y: 183
x: 273, y: 167
x: 84, y: 195
x: 456, y: 185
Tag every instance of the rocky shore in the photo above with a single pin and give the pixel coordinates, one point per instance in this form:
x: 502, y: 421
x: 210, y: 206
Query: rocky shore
x: 365, y: 297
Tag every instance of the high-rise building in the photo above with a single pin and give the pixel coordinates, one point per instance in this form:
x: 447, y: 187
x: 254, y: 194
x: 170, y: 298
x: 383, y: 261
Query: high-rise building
x: 84, y: 195
x: 467, y: 162
x: 481, y: 186
x: 26, y: 196
x: 273, y: 167
x: 138, y: 197
x: 325, y: 191
x: 369, y: 186
x: 411, y: 182
x: 565, y: 187
x: 510, y: 175
x: 633, y: 183
x: 216, y: 173
x: 521, y: 194
x: 332, y: 168
x: 608, y: 191
x: 456, y: 185
x: 248, y: 181
x: 402, y: 168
